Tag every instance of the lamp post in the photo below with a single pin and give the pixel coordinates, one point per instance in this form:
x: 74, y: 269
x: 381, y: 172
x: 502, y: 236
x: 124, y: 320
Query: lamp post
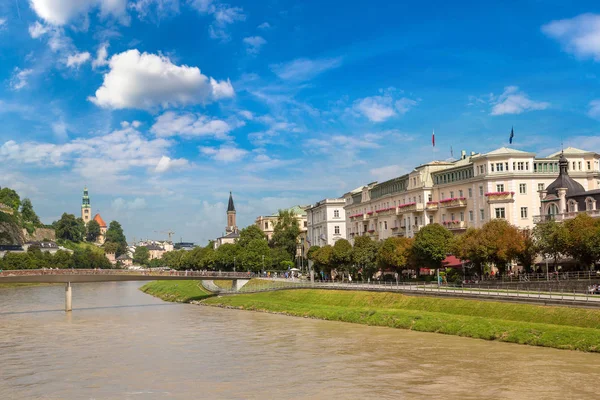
x: 263, y: 257
x: 233, y: 264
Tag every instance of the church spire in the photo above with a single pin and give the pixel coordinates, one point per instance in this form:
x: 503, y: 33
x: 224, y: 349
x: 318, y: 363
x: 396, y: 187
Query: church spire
x: 230, y: 206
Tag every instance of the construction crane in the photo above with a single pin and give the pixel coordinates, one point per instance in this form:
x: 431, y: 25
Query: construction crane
x: 169, y: 232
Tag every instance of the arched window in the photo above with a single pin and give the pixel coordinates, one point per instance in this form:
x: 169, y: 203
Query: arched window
x: 590, y: 204
x: 572, y: 206
x: 553, y: 209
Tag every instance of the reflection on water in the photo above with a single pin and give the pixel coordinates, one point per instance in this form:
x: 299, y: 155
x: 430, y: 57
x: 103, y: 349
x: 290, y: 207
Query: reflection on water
x: 120, y: 343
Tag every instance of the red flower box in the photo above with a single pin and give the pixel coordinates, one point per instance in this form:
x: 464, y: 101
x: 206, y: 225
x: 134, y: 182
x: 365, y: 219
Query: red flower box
x: 498, y: 193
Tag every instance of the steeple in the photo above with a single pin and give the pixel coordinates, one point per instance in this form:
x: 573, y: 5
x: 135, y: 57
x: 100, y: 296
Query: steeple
x: 86, y: 208
x: 564, y: 181
x: 230, y: 206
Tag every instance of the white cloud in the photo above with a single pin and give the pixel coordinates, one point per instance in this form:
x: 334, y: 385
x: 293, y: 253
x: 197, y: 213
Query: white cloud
x: 246, y: 114
x: 513, y: 101
x: 594, y: 111
x: 61, y: 12
x: 37, y: 30
x: 127, y: 84
x: 380, y: 108
x: 166, y: 163
x: 20, y: 78
x: 60, y: 129
x: 264, y: 26
x: 579, y: 35
x: 254, y: 43
x: 121, y: 204
x: 101, y: 56
x: 302, y: 69
x: 387, y: 172
x: 155, y: 10
x: 222, y: 14
x: 189, y: 125
x: 226, y: 153
x: 2, y: 23
x: 77, y: 59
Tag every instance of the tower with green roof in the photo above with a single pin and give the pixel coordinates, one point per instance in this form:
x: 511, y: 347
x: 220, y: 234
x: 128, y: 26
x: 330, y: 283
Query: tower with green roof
x: 86, y: 208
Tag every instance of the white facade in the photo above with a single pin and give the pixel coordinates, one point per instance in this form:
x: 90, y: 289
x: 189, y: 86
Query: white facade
x: 326, y: 222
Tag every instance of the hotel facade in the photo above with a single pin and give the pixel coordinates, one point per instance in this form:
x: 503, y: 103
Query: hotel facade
x: 504, y: 183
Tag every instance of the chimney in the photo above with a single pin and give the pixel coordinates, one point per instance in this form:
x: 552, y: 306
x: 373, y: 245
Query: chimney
x: 472, y: 153
x: 463, y: 154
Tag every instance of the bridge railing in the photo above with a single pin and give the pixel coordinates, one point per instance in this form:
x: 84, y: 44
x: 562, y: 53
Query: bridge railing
x: 200, y: 274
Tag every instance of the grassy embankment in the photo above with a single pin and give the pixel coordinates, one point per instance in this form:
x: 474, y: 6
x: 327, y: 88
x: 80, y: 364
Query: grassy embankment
x: 558, y: 327
x: 14, y: 285
x: 177, y: 291
x: 80, y: 246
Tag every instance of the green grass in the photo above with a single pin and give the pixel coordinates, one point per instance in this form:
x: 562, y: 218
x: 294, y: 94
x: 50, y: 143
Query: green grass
x: 558, y: 327
x: 15, y: 285
x: 223, y: 284
x: 81, y: 246
x: 176, y: 291
x: 258, y: 284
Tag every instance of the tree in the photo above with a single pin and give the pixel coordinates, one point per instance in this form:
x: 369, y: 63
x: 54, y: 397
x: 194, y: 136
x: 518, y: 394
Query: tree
x: 255, y: 255
x: 28, y: 213
x: 114, y: 234
x: 68, y: 228
x: 10, y: 198
x: 342, y: 254
x: 279, y: 257
x: 551, y: 239
x: 394, y: 252
x: 249, y: 234
x: 469, y: 246
x: 364, y: 256
x: 503, y: 242
x: 431, y: 245
x: 141, y: 255
x: 93, y: 231
x: 323, y: 257
x: 175, y: 259
x: 530, y: 251
x: 227, y: 256
x: 111, y: 248
x: 285, y: 233
x: 583, y: 239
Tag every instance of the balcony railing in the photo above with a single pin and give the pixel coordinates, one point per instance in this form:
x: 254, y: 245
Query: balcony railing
x: 455, y: 224
x: 455, y: 202
x: 410, y: 207
x: 500, y: 197
x: 432, y: 206
x: 564, y: 216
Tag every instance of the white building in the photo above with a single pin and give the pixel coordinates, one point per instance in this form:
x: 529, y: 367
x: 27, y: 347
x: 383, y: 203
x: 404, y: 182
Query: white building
x: 326, y: 222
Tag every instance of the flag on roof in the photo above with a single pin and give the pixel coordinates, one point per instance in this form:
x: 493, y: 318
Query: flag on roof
x: 433, y: 138
x: 512, y: 135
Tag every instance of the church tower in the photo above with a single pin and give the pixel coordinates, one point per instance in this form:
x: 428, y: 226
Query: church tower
x: 231, y: 227
x: 86, y: 209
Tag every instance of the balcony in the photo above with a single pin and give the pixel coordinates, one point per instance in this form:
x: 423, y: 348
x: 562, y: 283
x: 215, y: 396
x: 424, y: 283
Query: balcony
x: 409, y: 207
x: 432, y: 206
x: 386, y: 211
x: 455, y: 225
x: 357, y: 217
x: 500, y: 197
x: 456, y: 202
x: 537, y: 219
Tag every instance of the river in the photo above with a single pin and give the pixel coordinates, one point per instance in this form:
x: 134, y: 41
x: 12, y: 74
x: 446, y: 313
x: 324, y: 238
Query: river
x: 119, y: 343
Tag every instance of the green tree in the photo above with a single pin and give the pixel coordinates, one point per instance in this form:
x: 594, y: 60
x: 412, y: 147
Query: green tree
x: 227, y: 256
x: 342, y: 254
x: 93, y: 231
x: 68, y: 228
x: 249, y: 234
x: 323, y: 258
x: 285, y: 233
x: 278, y: 257
x: 141, y: 255
x: 530, y: 251
x: 114, y: 234
x: 431, y: 245
x: 583, y: 239
x: 469, y: 246
x: 175, y: 259
x: 394, y: 253
x: 364, y: 256
x: 28, y: 213
x: 111, y: 248
x: 255, y: 255
x: 10, y: 198
x: 551, y: 239
x: 503, y: 241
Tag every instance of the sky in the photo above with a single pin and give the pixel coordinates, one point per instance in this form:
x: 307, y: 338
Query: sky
x: 162, y: 107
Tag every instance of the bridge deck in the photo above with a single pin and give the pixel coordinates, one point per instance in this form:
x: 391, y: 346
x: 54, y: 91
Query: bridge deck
x: 79, y: 276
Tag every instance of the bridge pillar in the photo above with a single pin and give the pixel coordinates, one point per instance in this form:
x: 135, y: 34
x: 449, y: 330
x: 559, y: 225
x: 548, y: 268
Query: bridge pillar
x: 68, y: 295
x: 237, y: 284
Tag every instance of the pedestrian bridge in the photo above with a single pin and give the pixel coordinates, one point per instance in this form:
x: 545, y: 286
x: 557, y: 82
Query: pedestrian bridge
x: 69, y: 276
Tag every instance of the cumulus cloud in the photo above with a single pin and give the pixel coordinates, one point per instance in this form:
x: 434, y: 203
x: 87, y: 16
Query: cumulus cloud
x: 381, y: 108
x: 579, y: 35
x: 264, y: 26
x: 225, y: 153
x: 222, y: 14
x: 37, y: 30
x: 594, y: 111
x: 387, y: 172
x: 155, y: 10
x: 60, y: 129
x: 77, y: 59
x: 189, y: 125
x: 126, y: 85
x: 513, y: 101
x: 2, y: 23
x: 166, y: 163
x: 20, y: 78
x: 254, y: 43
x: 121, y: 204
x: 61, y: 12
x: 303, y: 69
x: 101, y: 56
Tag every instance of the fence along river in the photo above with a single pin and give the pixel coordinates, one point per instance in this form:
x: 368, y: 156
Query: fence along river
x: 120, y: 343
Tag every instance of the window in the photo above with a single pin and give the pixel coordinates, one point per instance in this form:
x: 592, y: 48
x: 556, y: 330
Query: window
x: 380, y: 226
x: 579, y: 165
x: 500, y: 212
x: 527, y: 166
x: 336, y: 213
x: 522, y: 188
x: 460, y: 193
x: 431, y: 219
x: 470, y: 192
x: 385, y: 225
x: 482, y: 214
x: 336, y: 230
x: 266, y: 225
x: 589, y: 165
x: 429, y: 197
x: 305, y: 224
x: 471, y: 216
x: 451, y: 194
x: 499, y: 167
x: 506, y: 166
x: 573, y: 165
x: 443, y: 217
x: 442, y: 196
x: 452, y: 217
x: 462, y: 216
x: 481, y: 190
x: 523, y: 212
x: 540, y: 186
x: 500, y: 187
x: 492, y: 167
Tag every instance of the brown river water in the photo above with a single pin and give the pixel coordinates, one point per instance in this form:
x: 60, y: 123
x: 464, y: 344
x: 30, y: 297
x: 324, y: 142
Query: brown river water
x: 119, y: 343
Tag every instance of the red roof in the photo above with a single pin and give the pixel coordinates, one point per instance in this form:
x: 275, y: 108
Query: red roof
x: 100, y: 221
x: 453, y: 262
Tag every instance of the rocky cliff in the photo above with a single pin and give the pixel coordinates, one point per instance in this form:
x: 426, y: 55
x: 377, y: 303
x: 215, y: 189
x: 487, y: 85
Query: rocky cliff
x: 39, y: 235
x: 10, y: 232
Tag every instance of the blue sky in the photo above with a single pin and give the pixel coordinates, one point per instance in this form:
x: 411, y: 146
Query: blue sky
x: 162, y: 107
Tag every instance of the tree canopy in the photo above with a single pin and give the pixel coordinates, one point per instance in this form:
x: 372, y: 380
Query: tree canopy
x: 431, y: 245
x: 114, y: 234
x: 285, y: 233
x: 249, y: 234
x: 93, y: 231
x: 28, y: 214
x: 141, y: 255
x: 10, y: 198
x: 394, y: 252
x: 69, y: 228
